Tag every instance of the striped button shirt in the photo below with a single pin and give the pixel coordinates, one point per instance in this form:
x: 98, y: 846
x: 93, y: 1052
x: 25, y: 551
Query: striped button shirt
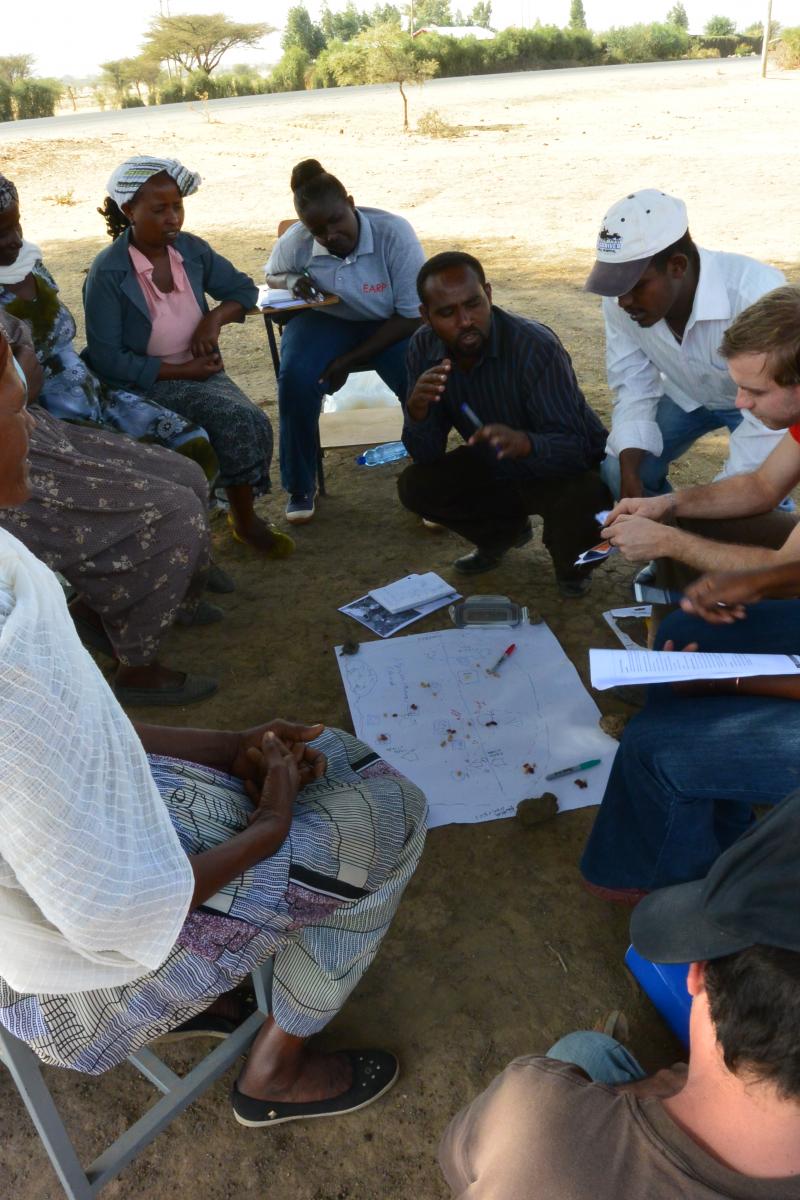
x: 525, y: 380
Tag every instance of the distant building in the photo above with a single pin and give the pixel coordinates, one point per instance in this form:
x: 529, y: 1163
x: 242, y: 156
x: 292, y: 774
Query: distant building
x: 458, y: 31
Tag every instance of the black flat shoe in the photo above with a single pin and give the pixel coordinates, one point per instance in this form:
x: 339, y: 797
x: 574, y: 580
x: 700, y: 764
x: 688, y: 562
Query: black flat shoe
x: 374, y: 1072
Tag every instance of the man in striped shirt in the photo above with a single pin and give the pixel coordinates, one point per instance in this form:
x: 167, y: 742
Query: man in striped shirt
x: 533, y: 444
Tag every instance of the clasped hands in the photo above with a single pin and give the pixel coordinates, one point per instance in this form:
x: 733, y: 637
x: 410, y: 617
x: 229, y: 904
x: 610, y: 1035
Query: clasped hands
x: 275, y: 762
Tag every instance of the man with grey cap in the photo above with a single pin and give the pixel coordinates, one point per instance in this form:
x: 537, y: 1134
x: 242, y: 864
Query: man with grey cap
x: 585, y: 1121
x: 666, y: 305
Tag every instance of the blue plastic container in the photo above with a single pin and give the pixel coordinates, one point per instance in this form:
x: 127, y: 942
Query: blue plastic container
x: 665, y: 984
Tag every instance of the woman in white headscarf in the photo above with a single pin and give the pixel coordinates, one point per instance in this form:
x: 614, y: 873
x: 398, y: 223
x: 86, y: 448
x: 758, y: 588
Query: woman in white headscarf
x: 149, y: 329
x: 144, y: 873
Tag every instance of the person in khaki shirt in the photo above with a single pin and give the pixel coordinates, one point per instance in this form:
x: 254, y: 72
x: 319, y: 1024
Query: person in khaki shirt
x: 584, y: 1123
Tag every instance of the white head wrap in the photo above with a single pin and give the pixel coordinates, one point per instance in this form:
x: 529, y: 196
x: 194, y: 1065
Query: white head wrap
x: 125, y: 182
x: 94, y: 885
x: 22, y: 265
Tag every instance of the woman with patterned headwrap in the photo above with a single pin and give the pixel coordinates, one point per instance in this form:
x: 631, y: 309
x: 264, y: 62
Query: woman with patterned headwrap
x: 70, y: 390
x: 149, y: 328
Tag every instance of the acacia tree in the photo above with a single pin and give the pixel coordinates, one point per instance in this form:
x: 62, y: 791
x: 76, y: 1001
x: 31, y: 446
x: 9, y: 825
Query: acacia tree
x: 383, y: 54
x: 678, y: 15
x: 197, y: 42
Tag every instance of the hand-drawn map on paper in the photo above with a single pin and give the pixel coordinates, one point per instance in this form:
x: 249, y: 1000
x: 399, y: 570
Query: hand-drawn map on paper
x: 477, y: 743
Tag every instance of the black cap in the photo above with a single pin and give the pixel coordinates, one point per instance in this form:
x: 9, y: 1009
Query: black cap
x: 750, y: 897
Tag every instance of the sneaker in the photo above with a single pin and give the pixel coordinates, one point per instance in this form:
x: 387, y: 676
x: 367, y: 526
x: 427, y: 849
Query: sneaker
x: 300, y: 508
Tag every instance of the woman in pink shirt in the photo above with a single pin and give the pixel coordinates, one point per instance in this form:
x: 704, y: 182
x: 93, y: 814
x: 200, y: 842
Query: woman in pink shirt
x: 148, y: 324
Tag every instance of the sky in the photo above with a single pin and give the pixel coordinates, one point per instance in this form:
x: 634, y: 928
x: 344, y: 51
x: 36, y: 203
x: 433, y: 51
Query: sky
x: 72, y: 39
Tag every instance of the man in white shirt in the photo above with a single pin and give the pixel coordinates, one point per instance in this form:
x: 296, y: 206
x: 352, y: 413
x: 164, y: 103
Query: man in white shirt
x: 666, y: 305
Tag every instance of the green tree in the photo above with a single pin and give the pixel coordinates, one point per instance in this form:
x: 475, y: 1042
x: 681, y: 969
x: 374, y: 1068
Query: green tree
x: 345, y: 25
x: 481, y: 14
x: 577, y: 15
x: 430, y: 12
x: 16, y: 67
x: 678, y: 15
x: 36, y: 97
x: 197, y: 42
x: 719, y: 27
x: 302, y: 33
x: 115, y: 76
x: 383, y: 54
x: 289, y: 75
x: 384, y: 14
x: 756, y: 29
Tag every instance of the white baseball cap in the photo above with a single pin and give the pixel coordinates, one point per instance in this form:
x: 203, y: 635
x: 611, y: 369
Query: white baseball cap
x: 633, y: 231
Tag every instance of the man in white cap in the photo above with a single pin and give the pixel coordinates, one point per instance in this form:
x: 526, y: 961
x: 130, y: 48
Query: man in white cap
x: 666, y: 305
x: 585, y: 1122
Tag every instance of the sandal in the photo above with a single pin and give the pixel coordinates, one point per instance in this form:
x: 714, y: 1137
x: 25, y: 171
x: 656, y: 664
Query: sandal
x: 374, y: 1072
x: 282, y: 547
x: 193, y: 689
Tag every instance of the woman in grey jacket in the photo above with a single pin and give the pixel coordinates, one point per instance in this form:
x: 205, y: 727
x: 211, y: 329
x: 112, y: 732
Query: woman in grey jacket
x: 149, y: 329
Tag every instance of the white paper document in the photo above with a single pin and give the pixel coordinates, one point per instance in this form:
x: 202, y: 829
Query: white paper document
x: 412, y: 591
x: 477, y: 743
x: 611, y: 668
x: 278, y: 298
x: 369, y: 612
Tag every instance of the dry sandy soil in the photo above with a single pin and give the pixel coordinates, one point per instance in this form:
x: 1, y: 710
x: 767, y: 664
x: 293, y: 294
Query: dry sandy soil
x: 496, y: 950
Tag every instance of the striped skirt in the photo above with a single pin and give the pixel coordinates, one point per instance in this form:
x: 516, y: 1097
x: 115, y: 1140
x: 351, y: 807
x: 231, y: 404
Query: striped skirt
x: 320, y: 906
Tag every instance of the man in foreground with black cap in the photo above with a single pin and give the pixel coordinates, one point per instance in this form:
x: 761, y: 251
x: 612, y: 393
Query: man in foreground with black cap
x: 585, y: 1122
x: 666, y: 305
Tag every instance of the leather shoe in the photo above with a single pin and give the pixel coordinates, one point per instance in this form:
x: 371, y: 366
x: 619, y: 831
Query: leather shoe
x: 486, y: 558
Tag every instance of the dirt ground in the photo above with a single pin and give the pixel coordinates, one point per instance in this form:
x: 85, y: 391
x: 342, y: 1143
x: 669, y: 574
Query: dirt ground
x: 496, y: 950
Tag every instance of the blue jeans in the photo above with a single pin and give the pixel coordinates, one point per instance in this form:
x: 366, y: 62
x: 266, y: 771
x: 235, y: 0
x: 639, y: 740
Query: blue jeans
x: 604, y: 1059
x: 679, y: 430
x: 689, y: 769
x: 309, y: 342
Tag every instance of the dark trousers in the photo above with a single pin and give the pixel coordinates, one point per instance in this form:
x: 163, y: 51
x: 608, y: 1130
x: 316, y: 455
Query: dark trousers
x: 461, y: 491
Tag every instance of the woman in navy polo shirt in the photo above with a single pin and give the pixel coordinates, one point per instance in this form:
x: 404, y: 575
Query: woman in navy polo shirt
x: 367, y: 257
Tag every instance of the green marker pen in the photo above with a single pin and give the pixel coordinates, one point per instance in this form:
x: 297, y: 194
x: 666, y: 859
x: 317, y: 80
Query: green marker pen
x: 584, y: 766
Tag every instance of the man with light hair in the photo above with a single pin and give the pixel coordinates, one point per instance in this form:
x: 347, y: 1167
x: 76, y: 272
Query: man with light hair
x: 731, y: 524
x: 666, y: 305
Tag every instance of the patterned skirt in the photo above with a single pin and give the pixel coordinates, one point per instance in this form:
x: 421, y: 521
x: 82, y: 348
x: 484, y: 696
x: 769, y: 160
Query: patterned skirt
x: 320, y: 906
x: 239, y: 431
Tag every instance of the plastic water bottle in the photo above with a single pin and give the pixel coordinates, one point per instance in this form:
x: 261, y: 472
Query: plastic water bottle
x: 376, y: 456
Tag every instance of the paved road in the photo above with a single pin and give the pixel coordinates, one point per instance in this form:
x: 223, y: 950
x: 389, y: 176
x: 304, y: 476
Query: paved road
x: 73, y: 124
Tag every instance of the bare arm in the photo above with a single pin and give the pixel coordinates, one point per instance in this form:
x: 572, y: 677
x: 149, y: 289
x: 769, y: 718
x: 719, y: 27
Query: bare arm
x: 745, y: 495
